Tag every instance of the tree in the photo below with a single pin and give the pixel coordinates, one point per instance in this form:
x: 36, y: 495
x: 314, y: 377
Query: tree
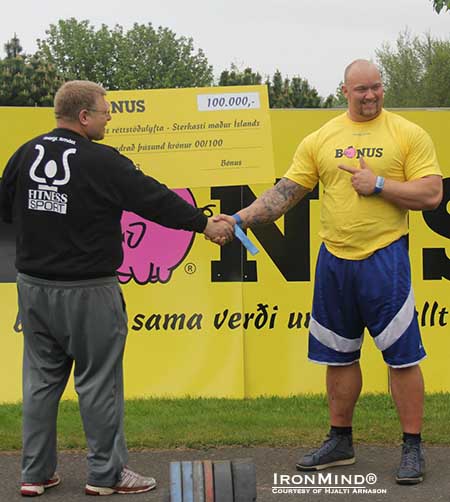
x: 437, y: 77
x: 13, y: 48
x: 403, y: 69
x: 295, y: 93
x: 416, y: 72
x: 438, y: 5
x: 337, y: 100
x: 302, y: 95
x: 140, y: 58
x: 277, y: 91
x: 26, y: 80
x: 283, y: 92
x: 330, y: 102
x: 234, y: 76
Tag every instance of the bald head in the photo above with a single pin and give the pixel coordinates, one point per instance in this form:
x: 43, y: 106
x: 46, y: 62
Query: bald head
x: 358, y: 68
x: 363, y: 89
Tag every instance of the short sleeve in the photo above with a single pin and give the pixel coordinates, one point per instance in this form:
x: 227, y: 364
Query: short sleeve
x: 303, y: 169
x: 421, y: 159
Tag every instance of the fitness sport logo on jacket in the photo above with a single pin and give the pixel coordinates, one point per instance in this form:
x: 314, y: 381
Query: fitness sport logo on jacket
x: 49, y: 177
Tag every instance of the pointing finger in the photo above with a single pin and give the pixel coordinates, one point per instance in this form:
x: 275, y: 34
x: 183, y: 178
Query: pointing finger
x: 351, y: 170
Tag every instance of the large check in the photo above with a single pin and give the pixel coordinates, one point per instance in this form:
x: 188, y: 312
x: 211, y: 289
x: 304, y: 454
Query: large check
x: 197, y: 137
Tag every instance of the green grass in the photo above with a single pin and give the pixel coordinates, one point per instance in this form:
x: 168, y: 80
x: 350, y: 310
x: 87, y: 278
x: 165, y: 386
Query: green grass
x: 271, y: 421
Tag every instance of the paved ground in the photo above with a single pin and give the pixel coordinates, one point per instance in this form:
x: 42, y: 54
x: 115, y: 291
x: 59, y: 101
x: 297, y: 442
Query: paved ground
x: 381, y: 461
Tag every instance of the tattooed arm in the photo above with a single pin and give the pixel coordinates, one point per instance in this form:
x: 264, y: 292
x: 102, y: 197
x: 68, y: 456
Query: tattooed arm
x: 269, y: 206
x: 273, y: 203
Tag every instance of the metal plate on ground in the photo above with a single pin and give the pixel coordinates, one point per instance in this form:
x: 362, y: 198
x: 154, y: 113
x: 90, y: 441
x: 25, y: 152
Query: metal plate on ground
x: 244, y: 480
x: 223, y: 481
x: 208, y: 476
x: 187, y: 481
x: 198, y: 481
x: 176, y: 494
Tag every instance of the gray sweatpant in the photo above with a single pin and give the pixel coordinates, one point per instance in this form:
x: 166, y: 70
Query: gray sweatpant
x: 64, y: 323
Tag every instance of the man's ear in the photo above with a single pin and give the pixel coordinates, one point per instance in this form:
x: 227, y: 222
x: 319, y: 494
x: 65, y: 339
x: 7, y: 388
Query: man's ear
x: 344, y: 90
x: 83, y: 117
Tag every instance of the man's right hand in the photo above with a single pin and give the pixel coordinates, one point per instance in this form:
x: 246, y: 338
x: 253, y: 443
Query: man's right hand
x: 220, y: 230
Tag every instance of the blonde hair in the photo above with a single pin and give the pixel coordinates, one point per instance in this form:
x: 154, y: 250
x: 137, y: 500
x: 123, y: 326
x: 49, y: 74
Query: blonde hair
x: 74, y: 96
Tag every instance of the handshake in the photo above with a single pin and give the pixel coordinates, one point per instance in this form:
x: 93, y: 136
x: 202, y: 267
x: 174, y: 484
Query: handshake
x: 220, y: 229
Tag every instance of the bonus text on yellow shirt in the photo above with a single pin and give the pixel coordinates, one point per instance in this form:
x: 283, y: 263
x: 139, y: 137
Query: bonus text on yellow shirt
x: 355, y: 226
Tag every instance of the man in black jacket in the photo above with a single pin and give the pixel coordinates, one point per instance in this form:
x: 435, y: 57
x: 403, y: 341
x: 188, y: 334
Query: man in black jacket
x: 66, y: 194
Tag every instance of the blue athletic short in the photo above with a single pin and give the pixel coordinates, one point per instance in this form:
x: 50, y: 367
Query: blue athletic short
x: 375, y: 293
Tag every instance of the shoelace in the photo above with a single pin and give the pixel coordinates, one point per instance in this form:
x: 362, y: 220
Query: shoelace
x: 130, y: 478
x: 327, y: 445
x: 410, y: 456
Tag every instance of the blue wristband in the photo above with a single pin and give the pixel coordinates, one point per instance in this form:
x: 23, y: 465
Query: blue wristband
x: 379, y: 184
x: 238, y: 219
x: 239, y: 233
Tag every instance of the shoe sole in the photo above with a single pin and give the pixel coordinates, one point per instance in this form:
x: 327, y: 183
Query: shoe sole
x: 409, y: 481
x: 32, y: 493
x: 336, y: 463
x: 104, y: 491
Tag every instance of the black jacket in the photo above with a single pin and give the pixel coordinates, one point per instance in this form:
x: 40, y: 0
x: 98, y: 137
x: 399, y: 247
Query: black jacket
x: 66, y: 195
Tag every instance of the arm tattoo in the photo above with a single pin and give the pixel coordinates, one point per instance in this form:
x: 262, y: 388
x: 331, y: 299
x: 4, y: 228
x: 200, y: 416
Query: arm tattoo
x: 273, y: 203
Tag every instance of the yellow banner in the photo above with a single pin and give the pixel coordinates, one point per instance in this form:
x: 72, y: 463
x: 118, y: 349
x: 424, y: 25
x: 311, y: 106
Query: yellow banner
x: 210, y: 321
x: 18, y: 125
x: 195, y: 137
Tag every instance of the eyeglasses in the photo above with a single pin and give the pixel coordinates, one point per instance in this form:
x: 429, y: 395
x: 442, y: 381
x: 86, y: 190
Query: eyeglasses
x: 103, y: 112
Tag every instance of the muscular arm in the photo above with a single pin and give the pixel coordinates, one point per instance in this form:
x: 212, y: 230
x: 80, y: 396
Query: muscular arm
x: 421, y: 194
x: 273, y: 203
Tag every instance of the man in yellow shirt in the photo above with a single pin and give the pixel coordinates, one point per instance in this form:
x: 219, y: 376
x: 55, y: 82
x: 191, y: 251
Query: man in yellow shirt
x: 374, y: 167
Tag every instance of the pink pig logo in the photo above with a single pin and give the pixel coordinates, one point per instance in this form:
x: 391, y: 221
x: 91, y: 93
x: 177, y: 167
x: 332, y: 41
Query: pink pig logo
x: 151, y: 251
x: 350, y: 152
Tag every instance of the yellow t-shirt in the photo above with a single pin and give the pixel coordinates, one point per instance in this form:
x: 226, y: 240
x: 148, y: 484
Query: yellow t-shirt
x: 355, y: 226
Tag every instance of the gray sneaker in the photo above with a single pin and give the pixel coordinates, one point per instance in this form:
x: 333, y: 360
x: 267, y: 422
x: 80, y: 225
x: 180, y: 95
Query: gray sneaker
x: 335, y: 450
x: 412, y: 465
x: 130, y: 482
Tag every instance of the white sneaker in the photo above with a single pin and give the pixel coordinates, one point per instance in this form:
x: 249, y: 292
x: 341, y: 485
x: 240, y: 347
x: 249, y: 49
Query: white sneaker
x: 130, y: 482
x: 35, y: 489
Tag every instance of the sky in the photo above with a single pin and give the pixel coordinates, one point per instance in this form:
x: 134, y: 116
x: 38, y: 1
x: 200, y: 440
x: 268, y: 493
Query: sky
x: 313, y: 39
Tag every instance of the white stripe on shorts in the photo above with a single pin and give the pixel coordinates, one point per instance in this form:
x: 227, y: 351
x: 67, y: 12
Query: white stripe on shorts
x: 398, y: 325
x: 332, y: 340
